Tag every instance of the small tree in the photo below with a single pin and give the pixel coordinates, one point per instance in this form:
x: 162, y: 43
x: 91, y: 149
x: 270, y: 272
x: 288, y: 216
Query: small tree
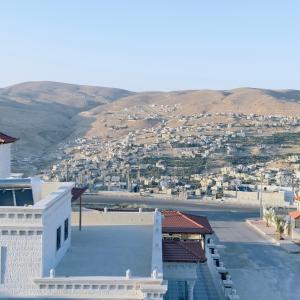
x: 288, y: 227
x: 268, y: 217
x: 280, y: 223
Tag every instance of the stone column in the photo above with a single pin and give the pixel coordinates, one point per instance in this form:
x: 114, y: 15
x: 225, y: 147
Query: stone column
x: 190, y: 287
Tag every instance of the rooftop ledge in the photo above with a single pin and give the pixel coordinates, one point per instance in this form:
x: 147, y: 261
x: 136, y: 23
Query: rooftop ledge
x: 51, y: 192
x: 98, y: 280
x: 45, y: 194
x: 110, y: 287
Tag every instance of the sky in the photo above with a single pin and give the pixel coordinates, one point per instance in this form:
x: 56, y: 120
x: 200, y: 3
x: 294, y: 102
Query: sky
x: 144, y: 45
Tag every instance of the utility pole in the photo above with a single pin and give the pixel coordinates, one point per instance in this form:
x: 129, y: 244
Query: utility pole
x: 80, y: 212
x: 293, y: 189
x: 67, y: 175
x: 129, y: 180
x: 138, y: 175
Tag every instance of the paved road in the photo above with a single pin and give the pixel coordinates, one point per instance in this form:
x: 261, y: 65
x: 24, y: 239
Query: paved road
x: 217, y: 209
x: 260, y: 270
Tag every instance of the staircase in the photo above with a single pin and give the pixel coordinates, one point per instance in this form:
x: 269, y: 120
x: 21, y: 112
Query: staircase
x: 176, y: 291
x: 204, y: 287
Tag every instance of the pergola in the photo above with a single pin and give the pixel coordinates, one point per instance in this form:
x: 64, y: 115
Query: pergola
x: 77, y: 194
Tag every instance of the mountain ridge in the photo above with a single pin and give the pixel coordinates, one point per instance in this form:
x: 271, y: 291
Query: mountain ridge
x: 45, y: 113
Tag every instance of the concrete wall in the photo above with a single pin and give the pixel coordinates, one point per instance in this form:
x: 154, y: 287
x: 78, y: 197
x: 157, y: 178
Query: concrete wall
x: 113, y: 218
x: 50, y: 187
x: 296, y: 234
x: 5, y: 161
x: 157, y: 261
x: 180, y: 271
x: 269, y: 198
x: 53, y: 218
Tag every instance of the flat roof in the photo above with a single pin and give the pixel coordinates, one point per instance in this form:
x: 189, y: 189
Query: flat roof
x: 108, y: 250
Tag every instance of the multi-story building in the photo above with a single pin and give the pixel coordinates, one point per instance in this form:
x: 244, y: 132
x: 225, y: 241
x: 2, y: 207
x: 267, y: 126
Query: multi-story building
x: 114, y: 255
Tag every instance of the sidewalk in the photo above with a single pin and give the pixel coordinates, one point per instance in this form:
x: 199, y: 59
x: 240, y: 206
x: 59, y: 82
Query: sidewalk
x: 270, y: 234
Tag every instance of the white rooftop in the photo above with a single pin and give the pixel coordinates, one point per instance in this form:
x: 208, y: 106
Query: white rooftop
x: 108, y: 251
x: 109, y: 244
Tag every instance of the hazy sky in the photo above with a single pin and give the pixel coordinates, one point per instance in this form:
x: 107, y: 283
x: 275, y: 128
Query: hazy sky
x: 152, y: 45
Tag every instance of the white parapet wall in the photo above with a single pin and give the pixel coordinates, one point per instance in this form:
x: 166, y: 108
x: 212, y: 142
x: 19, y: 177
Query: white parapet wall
x: 54, y: 216
x: 157, y: 260
x: 102, y: 288
x: 224, y: 286
x: 113, y: 218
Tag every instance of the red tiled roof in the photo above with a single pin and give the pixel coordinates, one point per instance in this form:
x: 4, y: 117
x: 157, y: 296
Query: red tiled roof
x: 179, y: 222
x: 77, y: 192
x: 5, y: 139
x: 182, y: 251
x: 295, y: 214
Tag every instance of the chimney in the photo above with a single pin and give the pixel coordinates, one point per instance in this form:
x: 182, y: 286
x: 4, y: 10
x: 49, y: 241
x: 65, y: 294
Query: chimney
x: 5, y: 157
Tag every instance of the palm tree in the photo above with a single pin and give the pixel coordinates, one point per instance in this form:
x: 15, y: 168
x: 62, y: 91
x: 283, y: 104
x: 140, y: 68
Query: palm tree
x: 268, y: 217
x: 279, y: 226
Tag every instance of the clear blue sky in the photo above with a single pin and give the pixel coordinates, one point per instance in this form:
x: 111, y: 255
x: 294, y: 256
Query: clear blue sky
x: 152, y: 45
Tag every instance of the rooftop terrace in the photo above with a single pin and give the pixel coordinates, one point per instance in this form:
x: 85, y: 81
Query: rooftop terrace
x: 109, y: 244
x: 108, y: 251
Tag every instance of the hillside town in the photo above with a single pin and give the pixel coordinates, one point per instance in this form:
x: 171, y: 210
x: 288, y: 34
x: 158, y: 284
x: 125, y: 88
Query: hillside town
x: 198, y: 159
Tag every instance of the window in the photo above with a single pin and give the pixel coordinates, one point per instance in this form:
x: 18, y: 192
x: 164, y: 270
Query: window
x: 66, y: 228
x: 58, y: 238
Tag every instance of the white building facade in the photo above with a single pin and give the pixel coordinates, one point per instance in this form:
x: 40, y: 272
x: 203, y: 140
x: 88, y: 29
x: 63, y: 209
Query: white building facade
x: 35, y: 237
x: 116, y: 255
x: 34, y: 240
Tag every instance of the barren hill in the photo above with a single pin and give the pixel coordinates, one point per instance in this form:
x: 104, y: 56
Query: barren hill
x: 79, y: 96
x: 243, y: 100
x: 43, y: 114
x: 246, y: 100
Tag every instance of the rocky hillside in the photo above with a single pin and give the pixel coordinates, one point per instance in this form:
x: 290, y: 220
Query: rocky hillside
x: 43, y: 114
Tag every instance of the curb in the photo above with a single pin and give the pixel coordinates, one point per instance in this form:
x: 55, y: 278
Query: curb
x: 265, y: 235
